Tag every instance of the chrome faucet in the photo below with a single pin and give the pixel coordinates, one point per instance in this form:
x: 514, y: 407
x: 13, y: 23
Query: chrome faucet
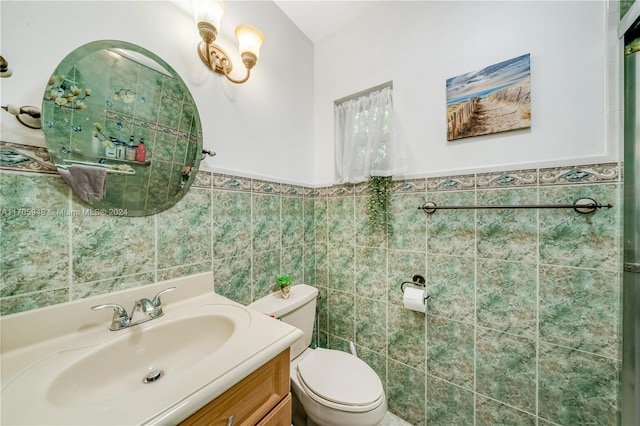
x: 151, y: 309
x: 145, y: 306
x: 120, y: 317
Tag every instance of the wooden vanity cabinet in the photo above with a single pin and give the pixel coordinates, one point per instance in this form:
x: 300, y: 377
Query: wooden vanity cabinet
x: 262, y: 398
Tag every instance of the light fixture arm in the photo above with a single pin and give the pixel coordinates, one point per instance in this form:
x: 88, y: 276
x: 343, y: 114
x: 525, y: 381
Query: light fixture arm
x: 226, y: 73
x: 217, y: 60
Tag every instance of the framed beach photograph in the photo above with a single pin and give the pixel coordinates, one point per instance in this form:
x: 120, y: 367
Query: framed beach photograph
x: 494, y: 99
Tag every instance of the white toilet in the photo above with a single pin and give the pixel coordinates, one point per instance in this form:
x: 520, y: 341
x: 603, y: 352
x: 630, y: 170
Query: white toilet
x: 335, y: 388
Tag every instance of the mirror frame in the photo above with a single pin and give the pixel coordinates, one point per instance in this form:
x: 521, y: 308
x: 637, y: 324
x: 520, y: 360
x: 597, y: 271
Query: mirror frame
x: 101, y: 102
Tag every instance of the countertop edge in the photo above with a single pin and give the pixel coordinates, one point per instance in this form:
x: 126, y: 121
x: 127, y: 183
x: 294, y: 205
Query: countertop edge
x: 214, y: 389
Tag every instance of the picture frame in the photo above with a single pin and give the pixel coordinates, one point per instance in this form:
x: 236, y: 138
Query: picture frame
x: 494, y: 99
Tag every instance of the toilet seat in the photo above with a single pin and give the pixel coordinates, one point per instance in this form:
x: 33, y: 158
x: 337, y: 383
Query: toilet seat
x: 340, y: 380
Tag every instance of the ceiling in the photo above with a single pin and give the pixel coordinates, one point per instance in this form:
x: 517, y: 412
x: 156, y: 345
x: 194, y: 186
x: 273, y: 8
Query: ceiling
x: 318, y: 19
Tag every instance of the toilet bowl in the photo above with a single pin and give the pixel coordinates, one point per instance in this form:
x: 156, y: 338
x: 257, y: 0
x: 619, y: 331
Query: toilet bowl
x: 333, y: 387
x: 337, y: 389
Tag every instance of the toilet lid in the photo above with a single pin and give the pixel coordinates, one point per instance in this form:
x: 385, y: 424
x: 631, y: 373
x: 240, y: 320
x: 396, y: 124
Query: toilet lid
x: 340, y: 377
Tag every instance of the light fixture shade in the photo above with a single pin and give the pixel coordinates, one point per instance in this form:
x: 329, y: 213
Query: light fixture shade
x: 209, y: 11
x: 250, y: 40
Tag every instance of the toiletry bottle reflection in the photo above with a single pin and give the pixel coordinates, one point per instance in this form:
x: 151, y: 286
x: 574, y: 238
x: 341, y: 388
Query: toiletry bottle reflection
x: 131, y: 149
x: 141, y: 152
x: 121, y: 152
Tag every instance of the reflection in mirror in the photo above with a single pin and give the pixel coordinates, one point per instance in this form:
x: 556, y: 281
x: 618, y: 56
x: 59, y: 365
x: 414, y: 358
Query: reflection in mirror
x: 122, y: 128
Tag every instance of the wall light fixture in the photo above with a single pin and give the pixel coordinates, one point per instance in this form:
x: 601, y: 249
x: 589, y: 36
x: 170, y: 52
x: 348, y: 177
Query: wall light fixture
x: 208, y: 15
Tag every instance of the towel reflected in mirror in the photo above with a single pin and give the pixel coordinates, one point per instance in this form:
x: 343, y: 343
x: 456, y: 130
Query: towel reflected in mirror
x: 88, y: 182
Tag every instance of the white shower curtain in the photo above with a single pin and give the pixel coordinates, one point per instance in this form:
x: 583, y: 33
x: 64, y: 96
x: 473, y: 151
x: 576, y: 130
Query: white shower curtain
x: 365, y: 142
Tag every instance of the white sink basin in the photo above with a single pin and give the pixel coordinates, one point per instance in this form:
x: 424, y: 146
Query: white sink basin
x: 63, y: 366
x: 119, y: 367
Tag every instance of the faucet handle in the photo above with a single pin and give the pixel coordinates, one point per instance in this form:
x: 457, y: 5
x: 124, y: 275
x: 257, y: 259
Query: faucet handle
x: 157, y: 302
x: 120, y: 316
x: 156, y: 299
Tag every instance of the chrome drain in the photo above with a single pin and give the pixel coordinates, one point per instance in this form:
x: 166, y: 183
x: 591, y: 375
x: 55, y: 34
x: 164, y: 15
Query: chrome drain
x: 153, y: 376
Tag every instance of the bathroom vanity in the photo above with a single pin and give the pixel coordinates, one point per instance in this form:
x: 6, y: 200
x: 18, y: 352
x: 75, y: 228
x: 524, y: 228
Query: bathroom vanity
x: 205, y: 360
x: 262, y: 398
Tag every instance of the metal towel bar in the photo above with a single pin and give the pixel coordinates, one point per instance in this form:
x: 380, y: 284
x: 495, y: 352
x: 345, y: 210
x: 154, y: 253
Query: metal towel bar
x: 110, y: 168
x: 582, y: 205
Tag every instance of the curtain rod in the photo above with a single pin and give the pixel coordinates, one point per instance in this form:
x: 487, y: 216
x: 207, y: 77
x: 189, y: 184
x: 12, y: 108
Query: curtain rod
x: 364, y: 92
x: 582, y: 205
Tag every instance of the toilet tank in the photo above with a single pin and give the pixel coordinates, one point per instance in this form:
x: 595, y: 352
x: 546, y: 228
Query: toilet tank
x: 299, y: 310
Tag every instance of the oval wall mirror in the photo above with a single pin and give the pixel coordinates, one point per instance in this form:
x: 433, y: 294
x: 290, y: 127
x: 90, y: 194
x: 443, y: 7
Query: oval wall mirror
x: 122, y: 128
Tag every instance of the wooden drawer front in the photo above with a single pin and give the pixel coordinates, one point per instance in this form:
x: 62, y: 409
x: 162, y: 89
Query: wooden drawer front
x: 279, y: 416
x: 250, y: 400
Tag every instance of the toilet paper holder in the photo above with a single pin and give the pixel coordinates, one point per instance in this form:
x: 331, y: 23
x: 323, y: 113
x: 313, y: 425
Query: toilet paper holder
x: 417, y: 280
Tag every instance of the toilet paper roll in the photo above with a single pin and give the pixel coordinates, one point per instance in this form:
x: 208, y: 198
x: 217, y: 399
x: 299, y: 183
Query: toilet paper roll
x: 414, y: 299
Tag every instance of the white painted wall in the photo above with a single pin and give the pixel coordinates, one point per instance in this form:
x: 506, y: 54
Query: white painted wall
x: 420, y: 44
x: 279, y: 125
x: 263, y: 128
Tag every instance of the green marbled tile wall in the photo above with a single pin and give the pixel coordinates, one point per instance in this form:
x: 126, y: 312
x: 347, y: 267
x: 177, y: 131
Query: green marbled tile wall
x: 365, y: 235
x: 176, y: 245
x: 522, y: 326
x: 490, y: 413
x: 377, y: 362
x: 406, y: 392
x: 409, y: 223
x: 452, y: 287
x: 341, y: 315
x: 586, y: 241
x: 371, y: 324
x: 449, y: 404
x: 506, y: 368
x: 246, y: 231
x: 341, y: 221
x: 293, y: 222
x: 371, y: 272
x: 294, y: 227
x: 451, y: 232
x: 33, y: 273
x: 232, y: 278
x: 577, y: 387
x: 513, y: 294
x: 231, y: 224
x: 264, y: 264
x: 506, y: 296
x: 111, y: 246
x: 406, y: 337
x: 450, y: 351
x: 341, y: 268
x: 265, y: 222
x: 579, y: 309
x: 509, y: 234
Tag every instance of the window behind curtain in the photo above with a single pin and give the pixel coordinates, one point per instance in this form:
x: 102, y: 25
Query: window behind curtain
x: 365, y: 143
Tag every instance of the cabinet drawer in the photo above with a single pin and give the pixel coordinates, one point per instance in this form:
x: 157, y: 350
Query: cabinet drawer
x: 279, y: 416
x: 249, y: 400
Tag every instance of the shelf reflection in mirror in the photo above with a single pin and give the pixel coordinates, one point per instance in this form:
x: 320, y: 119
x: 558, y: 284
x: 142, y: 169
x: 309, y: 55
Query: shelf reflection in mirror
x: 122, y: 128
